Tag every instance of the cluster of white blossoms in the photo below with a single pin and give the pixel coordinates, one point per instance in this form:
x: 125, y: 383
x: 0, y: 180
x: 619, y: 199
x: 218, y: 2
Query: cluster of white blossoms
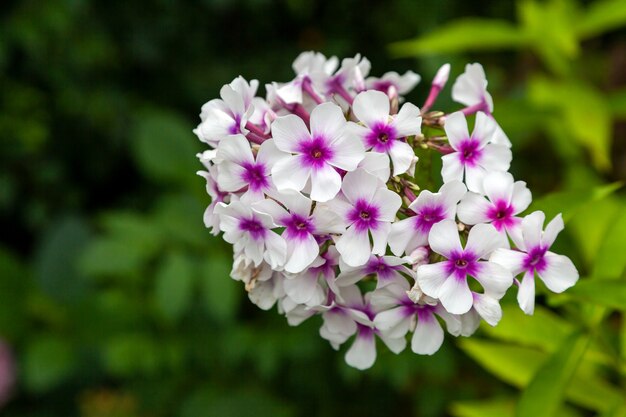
x: 314, y: 186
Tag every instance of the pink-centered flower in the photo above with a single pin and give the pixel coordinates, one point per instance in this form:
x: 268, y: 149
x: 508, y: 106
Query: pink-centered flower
x: 505, y: 199
x: 470, y: 88
x: 239, y: 169
x: 301, y: 226
x: 211, y: 219
x: 534, y: 256
x: 474, y: 155
x: 384, y: 133
x: 228, y: 115
x: 430, y: 208
x: 354, y: 315
x: 367, y: 208
x: 251, y: 233
x: 447, y: 280
x: 402, y: 83
x: 315, y: 155
x: 311, y: 286
x: 387, y: 270
x: 398, y: 315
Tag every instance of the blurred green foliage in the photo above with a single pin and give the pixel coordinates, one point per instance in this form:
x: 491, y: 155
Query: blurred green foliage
x: 115, y: 299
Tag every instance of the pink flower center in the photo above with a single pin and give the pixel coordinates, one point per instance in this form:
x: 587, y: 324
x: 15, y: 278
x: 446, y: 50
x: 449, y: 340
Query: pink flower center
x: 470, y: 152
x: 364, y: 215
x: 315, y: 152
x: 253, y: 227
x: 381, y: 137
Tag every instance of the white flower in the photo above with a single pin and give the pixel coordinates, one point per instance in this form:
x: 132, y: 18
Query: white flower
x: 430, y: 208
x: 402, y: 83
x: 505, y: 199
x: 556, y: 271
x: 473, y: 155
x: 315, y: 154
x: 447, y: 280
x: 387, y: 269
x: 251, y: 232
x: 228, y: 116
x: 310, y: 287
x: 367, y: 208
x: 301, y: 226
x: 470, y: 88
x: 239, y: 169
x: 398, y: 315
x: 383, y: 133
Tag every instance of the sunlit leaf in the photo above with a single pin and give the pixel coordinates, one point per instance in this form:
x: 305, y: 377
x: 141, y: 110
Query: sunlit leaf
x: 495, y: 407
x: 463, y: 35
x: 517, y: 366
x: 610, y: 261
x: 544, y: 394
x: 605, y: 292
x: 544, y: 329
x: 584, y: 111
x: 601, y: 16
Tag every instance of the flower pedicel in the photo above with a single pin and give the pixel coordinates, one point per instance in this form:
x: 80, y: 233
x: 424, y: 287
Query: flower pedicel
x: 314, y: 186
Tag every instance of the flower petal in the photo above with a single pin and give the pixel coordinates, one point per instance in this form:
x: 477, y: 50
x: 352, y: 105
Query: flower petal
x: 402, y: 156
x: 456, y: 129
x: 526, y: 293
x: 328, y: 121
x: 444, y: 237
x: 290, y: 173
x: 552, y: 230
x: 288, y: 131
x: 408, y: 121
x: 484, y: 128
x: 494, y: 278
x: 354, y: 247
x: 452, y: 168
x: 455, y: 295
x: 473, y: 209
x: 348, y: 151
x: 488, y: 308
x: 510, y: 259
x: 303, y: 253
x: 431, y: 278
x: 498, y: 186
x: 482, y: 240
x: 428, y: 335
x: 325, y: 183
x: 371, y: 107
x: 559, y: 274
x: 387, y: 203
x: 360, y: 185
x: 362, y: 353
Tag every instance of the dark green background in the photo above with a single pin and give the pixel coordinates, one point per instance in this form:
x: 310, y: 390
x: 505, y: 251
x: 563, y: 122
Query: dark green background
x: 117, y: 302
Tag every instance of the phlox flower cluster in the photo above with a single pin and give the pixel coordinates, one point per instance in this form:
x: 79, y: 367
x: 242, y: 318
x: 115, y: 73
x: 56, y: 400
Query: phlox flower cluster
x: 314, y: 186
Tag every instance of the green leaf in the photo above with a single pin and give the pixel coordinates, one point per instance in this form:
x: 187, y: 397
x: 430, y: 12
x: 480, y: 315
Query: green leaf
x: 173, y: 286
x: 543, y: 329
x: 583, y: 111
x: 601, y: 16
x: 610, y: 261
x: 110, y: 256
x: 164, y: 147
x: 617, y: 102
x: 132, y: 354
x: 14, y: 286
x: 548, y: 26
x: 209, y: 401
x: 604, y: 292
x: 55, y: 263
x: 135, y: 229
x: 221, y: 293
x: 48, y: 361
x: 495, y: 407
x: 517, y: 365
x: 462, y: 35
x: 569, y: 202
x: 544, y: 394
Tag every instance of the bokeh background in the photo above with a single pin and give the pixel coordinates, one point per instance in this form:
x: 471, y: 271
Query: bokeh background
x: 116, y: 302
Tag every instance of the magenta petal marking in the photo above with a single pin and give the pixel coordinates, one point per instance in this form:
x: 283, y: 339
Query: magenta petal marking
x: 364, y: 215
x: 297, y: 227
x: 469, y: 152
x: 535, y: 259
x: 501, y: 215
x: 316, y: 152
x: 253, y: 227
x: 461, y: 264
x: 380, y: 137
x: 255, y: 175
